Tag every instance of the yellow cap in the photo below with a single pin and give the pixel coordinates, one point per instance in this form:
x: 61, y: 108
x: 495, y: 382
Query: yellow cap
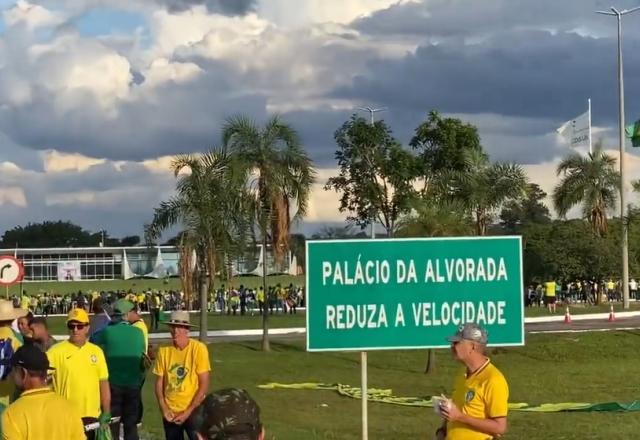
x: 78, y: 315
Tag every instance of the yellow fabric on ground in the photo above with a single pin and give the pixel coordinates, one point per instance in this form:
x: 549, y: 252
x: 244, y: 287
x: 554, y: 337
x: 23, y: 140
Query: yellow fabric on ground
x: 386, y: 396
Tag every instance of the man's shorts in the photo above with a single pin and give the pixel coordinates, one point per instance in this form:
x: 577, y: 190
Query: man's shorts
x: 549, y: 300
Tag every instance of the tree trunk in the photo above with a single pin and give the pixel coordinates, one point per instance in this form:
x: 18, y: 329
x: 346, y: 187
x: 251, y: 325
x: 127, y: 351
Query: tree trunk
x: 204, y: 289
x: 430, y: 368
x: 481, y: 225
x: 265, y: 315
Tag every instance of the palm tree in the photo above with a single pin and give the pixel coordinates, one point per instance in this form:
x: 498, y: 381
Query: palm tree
x: 482, y: 187
x: 590, y: 181
x: 210, y: 205
x: 431, y: 217
x: 281, y: 175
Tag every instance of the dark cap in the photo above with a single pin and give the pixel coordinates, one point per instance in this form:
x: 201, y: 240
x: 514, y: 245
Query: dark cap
x: 30, y: 358
x: 470, y: 332
x: 229, y: 414
x: 122, y: 307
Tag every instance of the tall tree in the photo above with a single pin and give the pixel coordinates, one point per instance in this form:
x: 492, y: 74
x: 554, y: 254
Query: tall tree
x: 483, y: 187
x: 443, y: 144
x: 375, y: 174
x: 281, y: 176
x: 212, y: 206
x: 434, y: 218
x: 592, y: 182
x: 531, y: 209
x: 49, y: 234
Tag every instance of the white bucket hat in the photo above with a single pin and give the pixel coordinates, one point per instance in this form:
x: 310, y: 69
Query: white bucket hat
x: 9, y: 313
x: 179, y: 317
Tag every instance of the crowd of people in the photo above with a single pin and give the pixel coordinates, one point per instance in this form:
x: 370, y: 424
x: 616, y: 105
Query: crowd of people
x: 93, y: 380
x: 225, y: 300
x: 242, y: 300
x: 591, y: 291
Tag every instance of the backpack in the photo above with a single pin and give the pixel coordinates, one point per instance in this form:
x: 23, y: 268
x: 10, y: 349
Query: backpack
x: 6, y: 353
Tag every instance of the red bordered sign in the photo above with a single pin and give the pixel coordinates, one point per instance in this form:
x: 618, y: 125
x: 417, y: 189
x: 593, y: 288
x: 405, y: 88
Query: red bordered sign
x: 11, y: 270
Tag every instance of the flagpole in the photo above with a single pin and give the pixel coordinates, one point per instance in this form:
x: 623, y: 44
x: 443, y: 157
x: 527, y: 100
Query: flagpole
x: 590, y: 142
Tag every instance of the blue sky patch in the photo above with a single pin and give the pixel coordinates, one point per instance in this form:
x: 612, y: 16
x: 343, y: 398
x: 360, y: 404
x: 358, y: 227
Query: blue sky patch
x: 108, y: 21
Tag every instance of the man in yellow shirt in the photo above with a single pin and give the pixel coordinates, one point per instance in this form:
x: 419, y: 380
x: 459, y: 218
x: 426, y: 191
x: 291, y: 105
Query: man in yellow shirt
x: 81, y: 373
x: 8, y: 336
x: 182, y: 378
x: 550, y: 295
x: 478, y: 406
x: 39, y: 413
x: 25, y: 301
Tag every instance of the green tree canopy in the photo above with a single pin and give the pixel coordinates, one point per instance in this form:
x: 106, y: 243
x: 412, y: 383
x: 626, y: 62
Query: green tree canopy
x: 376, y: 174
x: 280, y: 175
x: 531, y: 209
x: 443, y: 144
x: 592, y: 182
x: 483, y: 187
x: 54, y: 234
x: 211, y: 206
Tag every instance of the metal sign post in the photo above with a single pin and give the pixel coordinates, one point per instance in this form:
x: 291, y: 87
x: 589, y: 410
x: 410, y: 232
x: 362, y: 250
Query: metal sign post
x: 365, y: 395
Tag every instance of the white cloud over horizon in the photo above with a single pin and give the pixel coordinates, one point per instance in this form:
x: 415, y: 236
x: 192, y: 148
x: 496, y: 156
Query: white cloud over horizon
x: 88, y: 123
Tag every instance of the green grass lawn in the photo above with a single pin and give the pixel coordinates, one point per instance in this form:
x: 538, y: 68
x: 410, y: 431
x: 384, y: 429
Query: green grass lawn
x: 591, y: 367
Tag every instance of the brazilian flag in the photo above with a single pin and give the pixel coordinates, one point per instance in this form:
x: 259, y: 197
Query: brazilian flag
x: 633, y: 133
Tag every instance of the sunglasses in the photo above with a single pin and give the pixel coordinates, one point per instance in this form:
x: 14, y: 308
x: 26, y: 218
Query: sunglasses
x: 76, y: 326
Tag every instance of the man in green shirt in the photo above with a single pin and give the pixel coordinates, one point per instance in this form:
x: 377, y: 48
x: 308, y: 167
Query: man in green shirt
x: 123, y: 347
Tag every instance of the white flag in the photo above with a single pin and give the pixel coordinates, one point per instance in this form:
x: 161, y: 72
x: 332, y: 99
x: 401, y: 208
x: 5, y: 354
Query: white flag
x: 576, y: 131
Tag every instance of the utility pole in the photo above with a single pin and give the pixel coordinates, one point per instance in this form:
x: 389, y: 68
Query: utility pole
x: 623, y: 209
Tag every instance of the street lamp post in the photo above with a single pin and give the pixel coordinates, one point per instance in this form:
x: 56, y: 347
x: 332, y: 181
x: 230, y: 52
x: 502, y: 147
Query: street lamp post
x: 623, y: 210
x: 363, y: 355
x: 372, y: 111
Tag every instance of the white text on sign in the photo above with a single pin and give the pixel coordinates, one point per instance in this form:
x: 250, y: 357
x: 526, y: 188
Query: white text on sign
x: 445, y: 270
x: 424, y: 314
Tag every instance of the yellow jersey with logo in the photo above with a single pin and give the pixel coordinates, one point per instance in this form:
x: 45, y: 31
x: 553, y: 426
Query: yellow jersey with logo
x: 42, y: 414
x: 145, y: 332
x: 550, y: 288
x: 7, y: 386
x: 483, y: 395
x: 77, y: 375
x: 180, y: 369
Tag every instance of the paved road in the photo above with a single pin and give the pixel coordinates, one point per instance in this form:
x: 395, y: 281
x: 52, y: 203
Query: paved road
x: 541, y: 327
x: 584, y: 326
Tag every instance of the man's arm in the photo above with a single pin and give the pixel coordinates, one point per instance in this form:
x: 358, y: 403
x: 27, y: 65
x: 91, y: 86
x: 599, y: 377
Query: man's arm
x: 105, y: 396
x: 492, y: 426
x: 203, y: 386
x: 162, y: 404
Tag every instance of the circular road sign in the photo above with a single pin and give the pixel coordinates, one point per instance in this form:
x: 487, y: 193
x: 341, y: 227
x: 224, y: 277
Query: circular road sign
x: 11, y: 270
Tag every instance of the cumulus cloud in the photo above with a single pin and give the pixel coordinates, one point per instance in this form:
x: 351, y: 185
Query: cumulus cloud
x: 88, y: 121
x: 227, y: 7
x: 31, y: 16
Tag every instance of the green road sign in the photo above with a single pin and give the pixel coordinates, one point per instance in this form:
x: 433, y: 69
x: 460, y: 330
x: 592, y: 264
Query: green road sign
x: 412, y: 293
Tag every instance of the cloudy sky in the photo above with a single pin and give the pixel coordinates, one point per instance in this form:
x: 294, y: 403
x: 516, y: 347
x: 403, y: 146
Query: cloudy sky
x: 96, y: 95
